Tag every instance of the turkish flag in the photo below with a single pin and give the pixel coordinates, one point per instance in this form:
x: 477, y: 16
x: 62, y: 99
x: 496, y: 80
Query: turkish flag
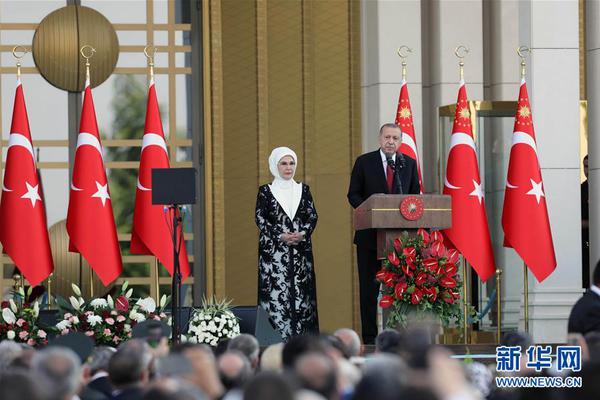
x: 151, y: 233
x: 90, y: 220
x: 525, y: 214
x: 469, y: 232
x: 404, y: 120
x: 23, y: 231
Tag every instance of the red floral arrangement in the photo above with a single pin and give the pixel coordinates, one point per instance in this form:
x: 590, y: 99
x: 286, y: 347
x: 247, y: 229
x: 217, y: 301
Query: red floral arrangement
x: 420, y: 276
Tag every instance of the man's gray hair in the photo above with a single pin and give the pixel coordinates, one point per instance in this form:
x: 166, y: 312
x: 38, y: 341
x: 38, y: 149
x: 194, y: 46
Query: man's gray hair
x: 350, y: 339
x: 99, y: 359
x: 9, y: 350
x: 128, y: 365
x: 247, y: 345
x: 57, y: 371
x: 389, y: 125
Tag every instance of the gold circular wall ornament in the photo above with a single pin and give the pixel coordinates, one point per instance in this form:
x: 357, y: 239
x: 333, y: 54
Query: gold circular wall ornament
x: 58, y: 40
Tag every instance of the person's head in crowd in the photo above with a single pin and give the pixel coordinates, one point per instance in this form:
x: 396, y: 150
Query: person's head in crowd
x: 221, y: 347
x: 388, y: 341
x: 98, y: 361
x: 590, y: 383
x: 234, y: 369
x: 334, y: 347
x: 414, y: 346
x: 271, y: 358
x: 480, y: 377
x: 130, y: 365
x: 299, y: 345
x: 204, y: 372
x: 305, y: 394
x: 351, y: 340
x: 247, y: 345
x: 420, y: 393
x: 522, y: 339
x: 9, y: 350
x: 592, y: 339
x: 174, y: 365
x: 384, y: 376
x: 348, y: 376
x: 317, y: 372
x: 57, y: 371
x: 18, y: 384
x: 269, y: 386
x: 173, y: 389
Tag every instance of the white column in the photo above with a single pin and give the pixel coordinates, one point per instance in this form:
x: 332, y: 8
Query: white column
x: 550, y: 28
x: 593, y: 94
x: 387, y: 25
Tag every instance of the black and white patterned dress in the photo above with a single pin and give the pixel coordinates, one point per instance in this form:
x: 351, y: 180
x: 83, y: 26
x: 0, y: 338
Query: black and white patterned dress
x: 286, y: 276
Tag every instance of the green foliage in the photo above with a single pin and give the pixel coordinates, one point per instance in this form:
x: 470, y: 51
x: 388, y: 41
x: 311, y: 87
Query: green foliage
x: 129, y: 107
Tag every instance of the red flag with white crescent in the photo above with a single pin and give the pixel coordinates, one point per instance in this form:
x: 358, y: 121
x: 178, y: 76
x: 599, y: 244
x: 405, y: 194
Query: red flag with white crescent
x: 404, y: 120
x: 151, y: 232
x: 469, y: 232
x: 23, y: 231
x: 90, y: 220
x: 525, y: 214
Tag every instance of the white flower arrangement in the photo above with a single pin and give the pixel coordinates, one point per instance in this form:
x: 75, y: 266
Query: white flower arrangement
x: 212, y: 323
x: 20, y: 322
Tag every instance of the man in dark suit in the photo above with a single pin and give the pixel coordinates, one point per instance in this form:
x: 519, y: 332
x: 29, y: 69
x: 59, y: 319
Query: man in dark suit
x: 381, y: 171
x: 585, y: 314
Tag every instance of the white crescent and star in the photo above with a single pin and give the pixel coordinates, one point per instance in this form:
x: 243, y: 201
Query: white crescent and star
x: 151, y: 139
x: 459, y: 138
x: 32, y: 192
x: 526, y: 139
x: 87, y: 139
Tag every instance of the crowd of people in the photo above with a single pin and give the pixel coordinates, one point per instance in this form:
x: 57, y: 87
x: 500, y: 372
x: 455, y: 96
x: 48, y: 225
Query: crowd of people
x: 401, y: 365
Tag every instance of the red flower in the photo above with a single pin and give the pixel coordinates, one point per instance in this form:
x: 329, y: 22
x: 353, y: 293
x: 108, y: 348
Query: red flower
x: 122, y: 304
x: 386, y: 301
x: 389, y: 279
x: 450, y: 269
x: 438, y: 249
x: 400, y: 289
x: 447, y: 297
x: 448, y: 282
x: 416, y: 296
x: 409, y: 252
x: 431, y: 293
x: 453, y: 255
x: 393, y: 258
x: 398, y: 245
x: 380, y: 276
x: 420, y: 279
x: 424, y: 235
x: 411, y: 264
x: 437, y: 236
x: 431, y: 264
x: 407, y: 271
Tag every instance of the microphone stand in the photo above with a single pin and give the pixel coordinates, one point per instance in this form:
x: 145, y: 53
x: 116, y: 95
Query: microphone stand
x: 176, y: 284
x: 396, y: 170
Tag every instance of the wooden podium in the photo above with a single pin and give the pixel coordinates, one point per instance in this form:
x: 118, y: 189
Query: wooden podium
x: 391, y: 214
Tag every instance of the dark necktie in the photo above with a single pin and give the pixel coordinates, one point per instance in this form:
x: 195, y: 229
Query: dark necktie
x: 390, y: 178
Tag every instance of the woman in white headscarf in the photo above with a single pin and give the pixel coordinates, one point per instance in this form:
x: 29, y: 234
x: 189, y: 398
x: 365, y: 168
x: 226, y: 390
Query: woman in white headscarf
x: 286, y: 218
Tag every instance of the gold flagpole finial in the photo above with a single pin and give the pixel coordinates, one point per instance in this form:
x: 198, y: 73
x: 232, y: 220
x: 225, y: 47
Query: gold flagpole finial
x: 403, y: 56
x: 523, y: 52
x: 16, y: 50
x: 150, y: 52
x: 461, y: 52
x: 87, y: 60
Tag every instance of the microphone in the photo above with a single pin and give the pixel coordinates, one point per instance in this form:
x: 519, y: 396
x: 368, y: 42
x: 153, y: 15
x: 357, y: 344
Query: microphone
x: 402, y: 162
x: 390, y: 161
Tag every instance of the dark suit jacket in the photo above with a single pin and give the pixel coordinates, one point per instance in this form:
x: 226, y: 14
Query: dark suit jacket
x: 585, y: 314
x: 368, y: 177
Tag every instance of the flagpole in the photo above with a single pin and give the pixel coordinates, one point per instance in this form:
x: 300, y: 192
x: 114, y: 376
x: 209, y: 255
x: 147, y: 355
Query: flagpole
x: 403, y: 56
x: 498, y: 305
x: 465, y: 307
x: 157, y: 280
x: 461, y: 62
x: 521, y: 50
x: 50, y: 291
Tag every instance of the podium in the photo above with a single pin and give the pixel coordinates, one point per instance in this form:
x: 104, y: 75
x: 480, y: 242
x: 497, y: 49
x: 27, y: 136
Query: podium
x: 391, y: 214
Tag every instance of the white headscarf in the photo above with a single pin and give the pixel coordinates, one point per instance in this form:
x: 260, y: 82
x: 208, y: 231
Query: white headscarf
x: 287, y: 192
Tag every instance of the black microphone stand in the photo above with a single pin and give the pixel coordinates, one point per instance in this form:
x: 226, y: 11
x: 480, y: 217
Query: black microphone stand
x: 396, y: 170
x: 176, y: 284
